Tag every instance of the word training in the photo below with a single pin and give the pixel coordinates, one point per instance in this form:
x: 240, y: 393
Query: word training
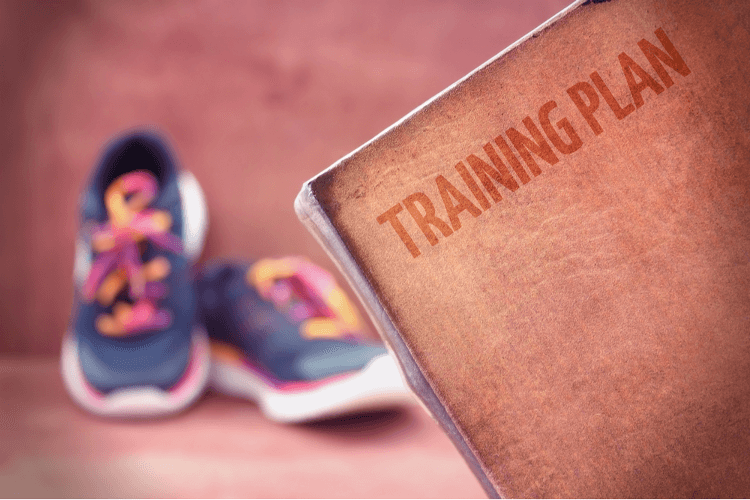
x: 485, y: 173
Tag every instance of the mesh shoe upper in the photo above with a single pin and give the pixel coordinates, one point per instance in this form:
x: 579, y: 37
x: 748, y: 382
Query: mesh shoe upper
x: 152, y: 345
x: 281, y: 319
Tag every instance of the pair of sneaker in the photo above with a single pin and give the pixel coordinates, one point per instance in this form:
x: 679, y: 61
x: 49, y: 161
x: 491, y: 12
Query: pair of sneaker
x: 150, y: 330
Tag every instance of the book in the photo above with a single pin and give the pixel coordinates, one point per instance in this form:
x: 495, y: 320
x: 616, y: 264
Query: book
x: 557, y: 250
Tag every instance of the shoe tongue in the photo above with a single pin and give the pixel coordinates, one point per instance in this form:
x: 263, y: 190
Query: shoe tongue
x: 139, y: 220
x: 168, y: 199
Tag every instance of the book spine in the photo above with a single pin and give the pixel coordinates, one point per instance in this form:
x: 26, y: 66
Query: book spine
x: 317, y: 222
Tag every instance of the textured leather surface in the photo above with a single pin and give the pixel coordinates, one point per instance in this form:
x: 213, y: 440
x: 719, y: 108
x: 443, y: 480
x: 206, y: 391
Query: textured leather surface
x: 587, y: 328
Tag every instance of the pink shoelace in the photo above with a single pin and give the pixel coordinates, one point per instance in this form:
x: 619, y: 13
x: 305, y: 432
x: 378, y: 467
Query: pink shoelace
x: 307, y: 294
x: 118, y: 259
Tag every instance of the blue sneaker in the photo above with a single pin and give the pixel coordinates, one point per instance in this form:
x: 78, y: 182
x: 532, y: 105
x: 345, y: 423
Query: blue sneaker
x: 134, y: 347
x: 285, y: 335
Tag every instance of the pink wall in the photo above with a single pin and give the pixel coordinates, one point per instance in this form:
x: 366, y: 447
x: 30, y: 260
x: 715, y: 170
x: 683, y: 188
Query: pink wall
x: 257, y: 97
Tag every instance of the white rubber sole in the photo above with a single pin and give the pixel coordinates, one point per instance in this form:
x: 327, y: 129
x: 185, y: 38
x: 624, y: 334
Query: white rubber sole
x: 377, y: 386
x: 146, y: 401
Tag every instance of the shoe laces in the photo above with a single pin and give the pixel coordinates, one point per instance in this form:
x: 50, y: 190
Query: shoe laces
x: 118, y: 244
x: 307, y: 295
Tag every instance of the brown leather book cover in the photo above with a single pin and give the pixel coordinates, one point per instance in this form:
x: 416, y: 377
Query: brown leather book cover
x: 556, y: 248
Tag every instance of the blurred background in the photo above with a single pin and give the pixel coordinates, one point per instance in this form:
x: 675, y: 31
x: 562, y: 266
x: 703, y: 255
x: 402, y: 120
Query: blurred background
x: 256, y: 98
